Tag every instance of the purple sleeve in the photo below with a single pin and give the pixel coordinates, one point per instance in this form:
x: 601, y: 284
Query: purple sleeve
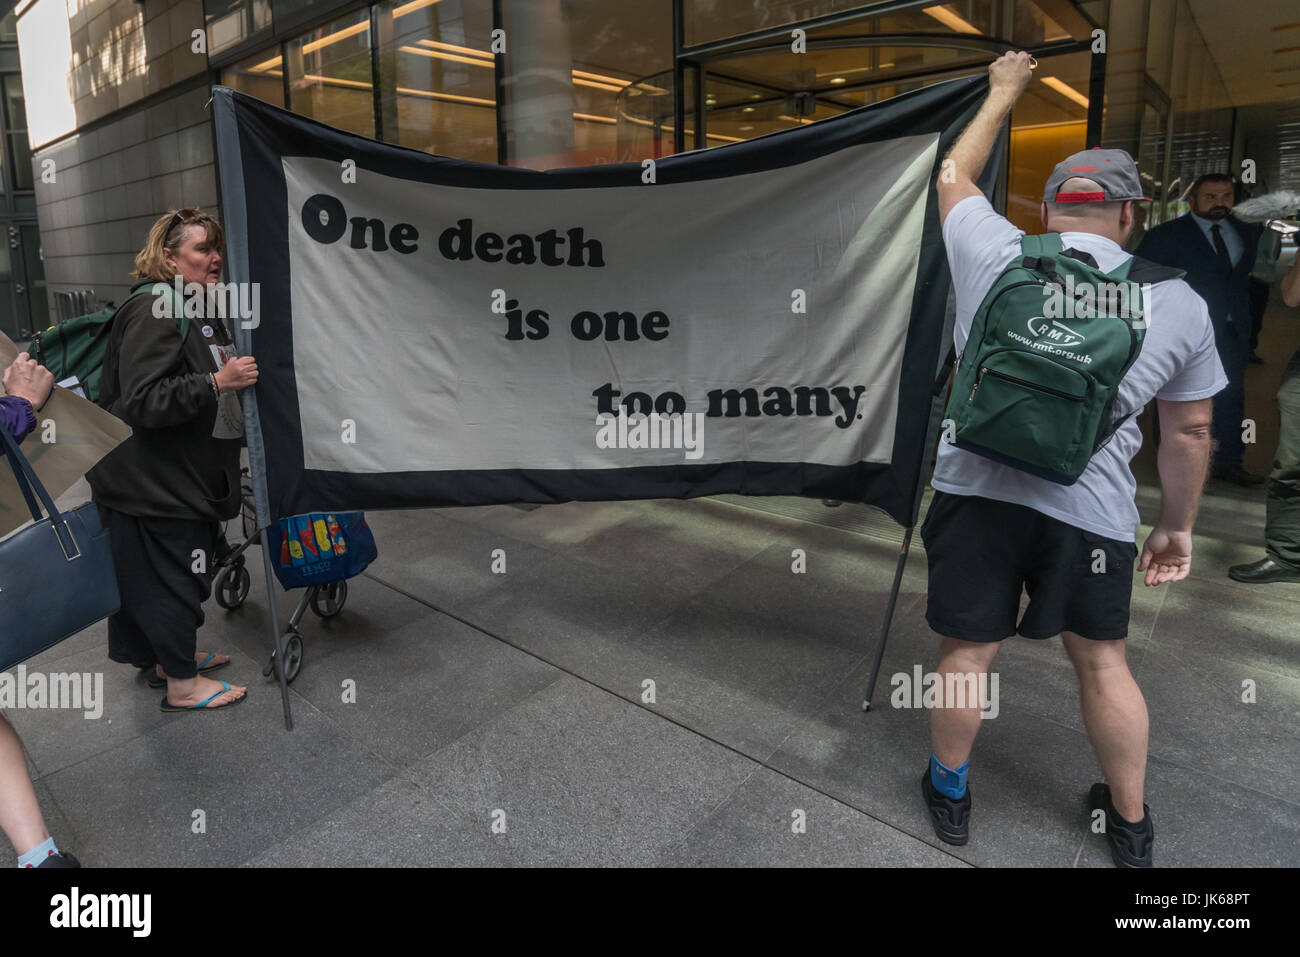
x: 16, y: 416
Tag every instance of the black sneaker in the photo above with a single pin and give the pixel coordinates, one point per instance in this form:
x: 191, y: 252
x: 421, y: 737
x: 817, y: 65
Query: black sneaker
x: 950, y: 819
x: 1130, y: 844
x: 63, y: 859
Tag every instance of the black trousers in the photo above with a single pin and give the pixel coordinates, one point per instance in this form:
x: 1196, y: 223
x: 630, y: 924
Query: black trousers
x: 162, y: 594
x: 1258, y: 306
x: 1282, y: 528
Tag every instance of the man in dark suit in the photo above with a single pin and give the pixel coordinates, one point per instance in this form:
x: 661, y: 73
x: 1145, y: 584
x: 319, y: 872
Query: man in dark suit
x: 1281, y: 561
x: 1217, y: 252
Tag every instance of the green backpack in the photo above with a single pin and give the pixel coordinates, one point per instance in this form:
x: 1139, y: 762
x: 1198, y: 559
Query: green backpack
x: 1048, y: 346
x: 75, y: 347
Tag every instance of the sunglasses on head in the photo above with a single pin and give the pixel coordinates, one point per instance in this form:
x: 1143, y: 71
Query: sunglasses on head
x: 180, y: 216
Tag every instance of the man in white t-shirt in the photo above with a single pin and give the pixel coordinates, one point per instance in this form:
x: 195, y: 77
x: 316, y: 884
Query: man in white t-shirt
x: 993, y: 530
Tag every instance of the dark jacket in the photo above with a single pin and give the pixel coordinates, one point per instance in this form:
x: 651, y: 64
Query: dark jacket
x: 171, y: 467
x: 1181, y: 244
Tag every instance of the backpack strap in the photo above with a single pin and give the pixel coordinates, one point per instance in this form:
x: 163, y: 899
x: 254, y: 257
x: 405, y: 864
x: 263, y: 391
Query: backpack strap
x: 1140, y: 271
x: 1144, y: 270
x: 1040, y: 253
x: 1044, y: 244
x: 149, y: 287
x: 1078, y: 254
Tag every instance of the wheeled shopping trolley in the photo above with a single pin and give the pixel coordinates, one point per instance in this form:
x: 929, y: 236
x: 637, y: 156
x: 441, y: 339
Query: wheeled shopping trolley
x: 324, y: 581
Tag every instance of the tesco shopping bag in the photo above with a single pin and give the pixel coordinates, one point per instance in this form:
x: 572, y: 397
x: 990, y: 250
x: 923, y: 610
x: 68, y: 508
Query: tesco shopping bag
x: 321, y: 547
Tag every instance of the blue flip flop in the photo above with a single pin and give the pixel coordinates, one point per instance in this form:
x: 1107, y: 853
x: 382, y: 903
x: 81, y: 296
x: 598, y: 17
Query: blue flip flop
x: 203, y: 705
x: 155, y: 682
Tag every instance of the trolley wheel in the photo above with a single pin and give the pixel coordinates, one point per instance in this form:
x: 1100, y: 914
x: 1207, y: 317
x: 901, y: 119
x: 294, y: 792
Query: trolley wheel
x: 232, y: 586
x: 329, y: 599
x: 292, y: 657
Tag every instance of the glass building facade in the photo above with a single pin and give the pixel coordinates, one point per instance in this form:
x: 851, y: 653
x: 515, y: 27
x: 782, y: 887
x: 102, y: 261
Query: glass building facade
x: 560, y: 83
x: 598, y: 81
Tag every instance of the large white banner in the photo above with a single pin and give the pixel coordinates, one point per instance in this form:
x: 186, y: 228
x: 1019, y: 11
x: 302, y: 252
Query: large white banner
x: 765, y: 317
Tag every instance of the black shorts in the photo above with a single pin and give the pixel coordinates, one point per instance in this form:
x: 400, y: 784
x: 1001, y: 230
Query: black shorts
x: 982, y: 552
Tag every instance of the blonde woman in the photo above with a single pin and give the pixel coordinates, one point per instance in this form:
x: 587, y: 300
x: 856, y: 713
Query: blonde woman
x: 164, y: 491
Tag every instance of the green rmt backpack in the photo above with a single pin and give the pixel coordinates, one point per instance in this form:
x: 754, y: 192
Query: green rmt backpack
x: 1036, y: 383
x: 75, y: 347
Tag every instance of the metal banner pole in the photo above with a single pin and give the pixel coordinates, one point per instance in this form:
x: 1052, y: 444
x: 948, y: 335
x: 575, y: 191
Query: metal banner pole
x: 230, y: 181
x: 937, y: 404
x: 990, y: 177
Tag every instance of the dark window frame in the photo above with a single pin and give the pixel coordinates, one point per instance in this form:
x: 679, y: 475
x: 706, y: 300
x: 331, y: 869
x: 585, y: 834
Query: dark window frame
x: 696, y: 56
x: 282, y: 31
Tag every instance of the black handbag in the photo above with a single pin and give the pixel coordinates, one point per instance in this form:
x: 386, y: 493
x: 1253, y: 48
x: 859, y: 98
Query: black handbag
x: 57, y: 576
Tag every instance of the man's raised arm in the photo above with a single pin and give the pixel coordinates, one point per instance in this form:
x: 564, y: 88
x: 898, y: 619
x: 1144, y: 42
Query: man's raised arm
x: 1008, y: 76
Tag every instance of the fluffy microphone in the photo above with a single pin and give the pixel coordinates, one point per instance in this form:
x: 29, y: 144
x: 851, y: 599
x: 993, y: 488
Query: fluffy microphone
x: 1280, y: 205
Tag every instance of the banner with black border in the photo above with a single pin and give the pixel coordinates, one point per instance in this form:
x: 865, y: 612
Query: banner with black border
x: 434, y: 332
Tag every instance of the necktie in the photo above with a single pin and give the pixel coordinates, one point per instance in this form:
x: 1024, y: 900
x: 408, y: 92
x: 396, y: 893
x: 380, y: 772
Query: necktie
x: 1221, y: 248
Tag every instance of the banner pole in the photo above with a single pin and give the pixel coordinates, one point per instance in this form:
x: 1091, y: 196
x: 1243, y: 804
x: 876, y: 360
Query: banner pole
x: 889, y: 617
x: 933, y: 435
x: 278, y: 668
x: 230, y: 183
x: 989, y: 179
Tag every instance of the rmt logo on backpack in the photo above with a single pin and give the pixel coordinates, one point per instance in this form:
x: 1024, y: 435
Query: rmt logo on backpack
x: 1037, y: 381
x: 1053, y: 337
x: 1058, y: 332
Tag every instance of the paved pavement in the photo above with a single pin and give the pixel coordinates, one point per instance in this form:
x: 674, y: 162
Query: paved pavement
x: 484, y: 698
x: 520, y: 699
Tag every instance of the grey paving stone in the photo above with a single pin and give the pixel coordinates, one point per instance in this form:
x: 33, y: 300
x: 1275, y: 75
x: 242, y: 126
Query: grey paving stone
x: 1253, y: 628
x: 699, y: 596
x: 554, y: 606
x: 371, y: 611
x: 680, y: 545
x: 861, y: 520
x: 753, y: 710
x: 415, y: 532
x: 418, y: 686
x: 583, y: 778
x: 448, y: 563
x: 840, y: 597
x: 395, y: 825
x: 1026, y: 774
x: 59, y: 737
x: 1199, y: 721
x: 729, y: 671
x: 554, y: 527
x: 756, y: 827
x: 1204, y: 821
x: 133, y: 805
